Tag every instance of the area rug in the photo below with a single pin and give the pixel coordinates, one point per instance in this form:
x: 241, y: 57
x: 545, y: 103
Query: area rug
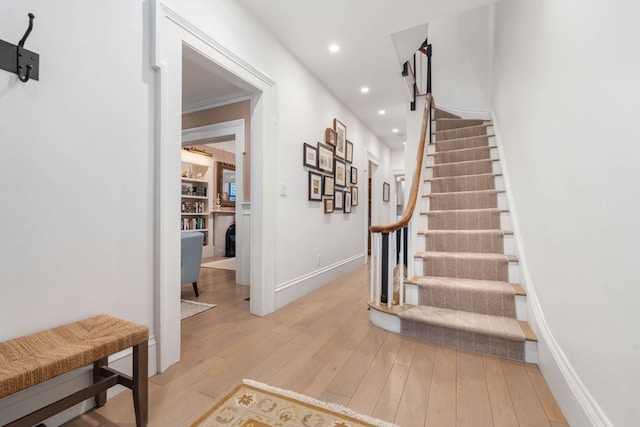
x: 191, y: 308
x: 259, y: 405
x: 223, y: 264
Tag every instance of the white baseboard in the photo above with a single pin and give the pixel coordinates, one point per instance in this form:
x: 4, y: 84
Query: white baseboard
x: 292, y: 290
x: 36, y: 397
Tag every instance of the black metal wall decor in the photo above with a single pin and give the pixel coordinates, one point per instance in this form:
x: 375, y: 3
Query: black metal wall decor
x: 18, y: 60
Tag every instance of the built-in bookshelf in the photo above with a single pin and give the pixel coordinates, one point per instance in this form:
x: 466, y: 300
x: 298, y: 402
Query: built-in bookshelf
x: 195, y: 204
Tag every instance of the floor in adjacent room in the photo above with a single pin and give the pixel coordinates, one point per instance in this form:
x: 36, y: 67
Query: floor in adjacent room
x: 323, y: 345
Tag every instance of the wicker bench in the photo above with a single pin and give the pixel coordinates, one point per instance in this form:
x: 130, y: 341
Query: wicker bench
x: 35, y: 358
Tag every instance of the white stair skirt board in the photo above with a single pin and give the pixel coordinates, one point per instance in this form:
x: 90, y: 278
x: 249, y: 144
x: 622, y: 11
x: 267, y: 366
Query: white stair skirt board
x: 387, y: 321
x: 521, y: 308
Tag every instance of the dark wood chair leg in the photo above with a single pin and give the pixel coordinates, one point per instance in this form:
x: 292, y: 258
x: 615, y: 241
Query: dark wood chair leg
x: 195, y: 288
x: 100, y: 398
x: 141, y: 383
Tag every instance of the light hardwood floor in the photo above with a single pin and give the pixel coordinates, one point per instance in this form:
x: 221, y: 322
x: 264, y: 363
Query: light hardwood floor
x: 324, y: 346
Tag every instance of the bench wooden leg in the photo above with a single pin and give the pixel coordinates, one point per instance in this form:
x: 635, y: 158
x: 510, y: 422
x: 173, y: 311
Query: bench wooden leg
x: 100, y: 398
x: 141, y: 383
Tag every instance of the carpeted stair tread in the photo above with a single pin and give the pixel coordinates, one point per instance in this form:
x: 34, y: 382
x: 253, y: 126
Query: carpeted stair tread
x: 462, y: 155
x: 469, y: 219
x: 461, y: 132
x: 486, y: 241
x: 466, y: 255
x: 453, y: 184
x: 442, y: 114
x: 496, y: 335
x: 517, y: 289
x: 469, y: 167
x: 460, y: 200
x: 466, y: 265
x: 478, y: 296
x: 462, y: 143
x: 446, y: 123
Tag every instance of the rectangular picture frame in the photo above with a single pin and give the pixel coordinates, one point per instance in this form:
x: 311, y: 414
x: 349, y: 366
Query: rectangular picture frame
x: 328, y: 186
x: 347, y: 202
x: 325, y: 158
x: 354, y: 195
x: 341, y: 139
x: 328, y: 205
x: 315, y: 186
x: 353, y: 176
x: 386, y: 191
x: 338, y: 201
x: 340, y: 168
x: 310, y: 156
x: 330, y: 137
x: 349, y: 156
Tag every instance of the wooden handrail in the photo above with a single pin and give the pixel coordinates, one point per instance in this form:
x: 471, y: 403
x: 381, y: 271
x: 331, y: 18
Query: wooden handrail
x: 415, y: 185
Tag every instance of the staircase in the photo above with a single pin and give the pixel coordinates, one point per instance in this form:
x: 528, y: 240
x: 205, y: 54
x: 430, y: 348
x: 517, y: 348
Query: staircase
x: 464, y: 292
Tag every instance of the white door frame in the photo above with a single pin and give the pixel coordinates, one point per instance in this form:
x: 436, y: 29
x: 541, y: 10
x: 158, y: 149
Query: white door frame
x: 235, y: 129
x: 170, y: 32
x: 375, y: 201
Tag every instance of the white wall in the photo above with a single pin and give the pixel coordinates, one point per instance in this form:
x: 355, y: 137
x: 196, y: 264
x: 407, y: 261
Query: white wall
x: 567, y: 104
x: 304, y: 111
x: 461, y: 60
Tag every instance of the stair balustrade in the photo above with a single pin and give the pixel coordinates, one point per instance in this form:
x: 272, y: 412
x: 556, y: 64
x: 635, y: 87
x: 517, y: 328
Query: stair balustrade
x: 384, y: 260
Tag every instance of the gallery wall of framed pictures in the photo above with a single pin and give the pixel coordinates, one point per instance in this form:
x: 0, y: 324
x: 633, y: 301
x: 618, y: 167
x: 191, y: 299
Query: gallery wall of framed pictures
x: 332, y: 177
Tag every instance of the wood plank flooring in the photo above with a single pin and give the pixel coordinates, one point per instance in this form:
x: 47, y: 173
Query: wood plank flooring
x: 324, y: 346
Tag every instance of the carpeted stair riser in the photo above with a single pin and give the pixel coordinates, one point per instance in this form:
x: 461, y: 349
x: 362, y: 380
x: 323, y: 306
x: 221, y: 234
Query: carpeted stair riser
x: 478, y: 266
x: 446, y: 124
x: 465, y: 155
x: 461, y: 133
x: 475, y: 296
x: 486, y: 199
x: 464, y: 330
x: 441, y: 114
x: 477, y: 241
x: 463, y: 168
x: 462, y: 144
x: 484, y: 219
x: 463, y: 183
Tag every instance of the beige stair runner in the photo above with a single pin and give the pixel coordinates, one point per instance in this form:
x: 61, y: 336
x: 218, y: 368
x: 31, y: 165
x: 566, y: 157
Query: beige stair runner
x: 465, y: 298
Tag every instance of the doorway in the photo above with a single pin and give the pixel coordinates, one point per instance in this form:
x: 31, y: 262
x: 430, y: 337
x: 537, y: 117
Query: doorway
x: 172, y: 33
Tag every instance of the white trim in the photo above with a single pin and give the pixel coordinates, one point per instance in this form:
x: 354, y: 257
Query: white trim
x: 232, y: 127
x: 214, y: 101
x: 170, y: 32
x: 293, y: 289
x: 583, y: 404
x: 467, y: 114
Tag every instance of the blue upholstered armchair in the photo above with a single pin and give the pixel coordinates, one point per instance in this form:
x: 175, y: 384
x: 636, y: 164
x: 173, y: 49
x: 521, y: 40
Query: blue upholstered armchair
x: 191, y: 258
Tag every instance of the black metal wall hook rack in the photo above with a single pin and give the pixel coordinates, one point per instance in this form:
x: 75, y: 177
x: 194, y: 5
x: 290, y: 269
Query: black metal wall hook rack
x: 18, y: 60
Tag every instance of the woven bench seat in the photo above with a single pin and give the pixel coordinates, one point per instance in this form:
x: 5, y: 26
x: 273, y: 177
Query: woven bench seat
x: 33, y: 359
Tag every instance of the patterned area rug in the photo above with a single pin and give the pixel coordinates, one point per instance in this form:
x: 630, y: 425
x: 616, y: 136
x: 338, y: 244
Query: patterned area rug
x: 191, y: 308
x: 259, y: 405
x: 223, y: 264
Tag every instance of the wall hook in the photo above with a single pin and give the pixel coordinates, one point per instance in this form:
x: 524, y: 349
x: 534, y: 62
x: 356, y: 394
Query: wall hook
x: 17, y: 59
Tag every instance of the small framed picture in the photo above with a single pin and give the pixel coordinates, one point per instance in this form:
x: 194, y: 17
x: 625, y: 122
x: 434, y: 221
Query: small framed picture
x: 347, y: 202
x: 328, y: 205
x: 386, y: 190
x: 331, y: 137
x: 325, y: 158
x: 315, y: 186
x: 341, y: 141
x: 328, y: 186
x: 354, y: 195
x: 338, y: 201
x: 353, y: 175
x: 310, y: 156
x: 340, y: 173
x: 349, y: 157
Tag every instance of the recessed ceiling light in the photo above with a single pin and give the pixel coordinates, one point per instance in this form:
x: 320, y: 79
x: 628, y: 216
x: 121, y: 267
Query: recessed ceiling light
x: 364, y: 89
x: 404, y: 143
x: 394, y: 130
x: 334, y: 48
x: 382, y: 112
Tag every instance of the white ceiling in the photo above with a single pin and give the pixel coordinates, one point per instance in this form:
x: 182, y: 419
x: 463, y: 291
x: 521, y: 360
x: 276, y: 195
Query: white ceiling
x: 375, y: 38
